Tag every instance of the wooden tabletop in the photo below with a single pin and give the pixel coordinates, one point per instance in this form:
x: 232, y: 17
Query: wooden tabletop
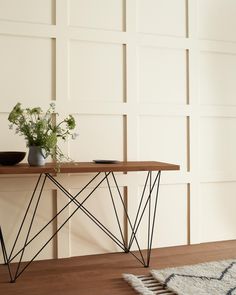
x: 86, y: 167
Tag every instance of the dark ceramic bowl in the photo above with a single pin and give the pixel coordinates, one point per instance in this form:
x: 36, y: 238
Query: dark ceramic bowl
x: 11, y: 158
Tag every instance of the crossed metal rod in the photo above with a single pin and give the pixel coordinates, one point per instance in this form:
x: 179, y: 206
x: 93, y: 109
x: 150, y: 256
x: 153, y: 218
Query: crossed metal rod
x: 122, y: 243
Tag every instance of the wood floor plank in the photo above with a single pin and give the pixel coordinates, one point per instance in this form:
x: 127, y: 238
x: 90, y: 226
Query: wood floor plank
x: 102, y: 274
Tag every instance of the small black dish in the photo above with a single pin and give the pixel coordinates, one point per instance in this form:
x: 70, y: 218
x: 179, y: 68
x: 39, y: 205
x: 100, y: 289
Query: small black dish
x: 105, y: 161
x: 11, y: 158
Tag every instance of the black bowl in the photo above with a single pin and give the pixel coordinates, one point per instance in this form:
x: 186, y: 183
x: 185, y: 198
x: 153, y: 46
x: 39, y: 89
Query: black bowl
x: 11, y: 158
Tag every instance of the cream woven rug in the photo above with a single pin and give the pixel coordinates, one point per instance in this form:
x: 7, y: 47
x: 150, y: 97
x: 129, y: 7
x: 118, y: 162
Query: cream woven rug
x: 211, y: 278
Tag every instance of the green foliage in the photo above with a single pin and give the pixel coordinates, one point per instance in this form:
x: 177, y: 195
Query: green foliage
x: 40, y: 129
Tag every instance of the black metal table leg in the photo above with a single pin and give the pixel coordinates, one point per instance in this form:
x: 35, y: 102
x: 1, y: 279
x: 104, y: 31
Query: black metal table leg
x: 151, y: 211
x: 5, y: 256
x: 8, y: 259
x: 145, y: 204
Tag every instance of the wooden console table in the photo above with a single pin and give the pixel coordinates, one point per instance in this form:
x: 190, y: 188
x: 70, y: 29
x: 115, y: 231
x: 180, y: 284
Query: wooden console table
x: 148, y: 202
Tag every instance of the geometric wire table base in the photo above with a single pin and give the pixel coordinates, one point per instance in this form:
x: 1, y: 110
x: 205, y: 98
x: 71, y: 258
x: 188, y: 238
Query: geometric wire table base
x: 148, y: 204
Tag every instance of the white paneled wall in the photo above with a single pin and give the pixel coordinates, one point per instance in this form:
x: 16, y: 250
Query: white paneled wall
x: 158, y: 65
x: 28, y: 11
x: 104, y: 70
x: 216, y: 20
x: 162, y: 17
x: 145, y: 80
x: 108, y: 15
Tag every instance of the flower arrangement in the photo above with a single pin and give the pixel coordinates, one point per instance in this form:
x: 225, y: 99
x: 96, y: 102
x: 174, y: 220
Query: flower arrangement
x: 40, y: 129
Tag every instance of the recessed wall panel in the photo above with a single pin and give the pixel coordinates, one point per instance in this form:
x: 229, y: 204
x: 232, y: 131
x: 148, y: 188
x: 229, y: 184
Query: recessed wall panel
x: 216, y: 19
x: 102, y: 15
x: 27, y: 70
x: 162, y: 75
x: 13, y: 206
x: 96, y: 71
x: 216, y: 78
x: 30, y: 11
x: 86, y: 237
x: 217, y: 213
x: 96, y: 141
x: 171, y: 218
x: 163, y: 139
x: 163, y: 17
x: 217, y: 145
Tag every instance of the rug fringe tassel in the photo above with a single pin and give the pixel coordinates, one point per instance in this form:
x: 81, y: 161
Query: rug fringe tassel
x: 146, y: 285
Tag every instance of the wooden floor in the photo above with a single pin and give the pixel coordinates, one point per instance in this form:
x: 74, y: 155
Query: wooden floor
x: 102, y: 274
